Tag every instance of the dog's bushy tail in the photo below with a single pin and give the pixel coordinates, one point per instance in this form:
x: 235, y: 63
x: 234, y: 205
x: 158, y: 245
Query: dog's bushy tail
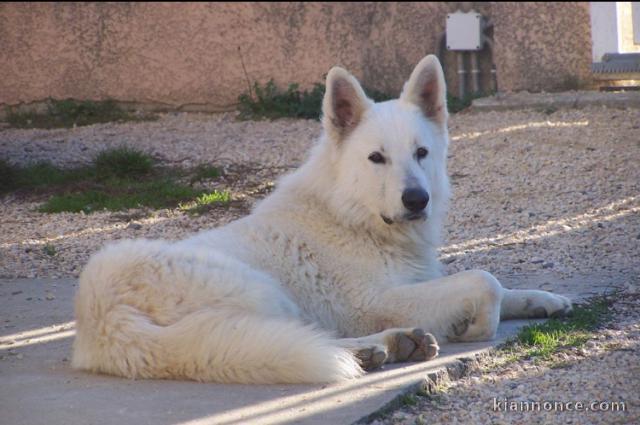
x: 217, y: 346
x: 226, y: 345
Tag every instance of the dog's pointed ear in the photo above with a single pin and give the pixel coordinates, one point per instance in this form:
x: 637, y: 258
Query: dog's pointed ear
x: 426, y: 88
x: 344, y: 103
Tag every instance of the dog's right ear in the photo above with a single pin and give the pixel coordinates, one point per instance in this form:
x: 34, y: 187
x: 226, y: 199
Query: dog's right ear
x: 343, y: 105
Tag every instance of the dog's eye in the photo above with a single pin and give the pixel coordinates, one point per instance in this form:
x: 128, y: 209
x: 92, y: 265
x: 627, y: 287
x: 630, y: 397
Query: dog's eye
x: 422, y: 153
x: 377, y: 158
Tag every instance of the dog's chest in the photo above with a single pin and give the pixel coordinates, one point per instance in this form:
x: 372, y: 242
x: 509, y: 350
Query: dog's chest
x: 325, y: 263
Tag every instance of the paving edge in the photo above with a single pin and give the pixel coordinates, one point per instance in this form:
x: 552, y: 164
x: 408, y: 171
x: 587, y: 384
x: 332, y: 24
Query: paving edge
x: 576, y: 100
x: 457, y: 369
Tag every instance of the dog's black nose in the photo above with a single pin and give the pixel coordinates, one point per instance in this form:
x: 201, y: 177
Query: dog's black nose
x: 415, y: 199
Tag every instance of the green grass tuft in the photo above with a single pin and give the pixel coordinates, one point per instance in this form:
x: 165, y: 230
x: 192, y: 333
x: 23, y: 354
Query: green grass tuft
x: 121, y: 194
x: 117, y: 179
x: 205, y: 172
x: 544, y: 339
x: 123, y: 162
x: 456, y: 104
x: 206, y: 201
x: 49, y: 249
x: 40, y: 175
x: 408, y: 400
x: 270, y: 102
x: 8, y: 176
x: 69, y: 113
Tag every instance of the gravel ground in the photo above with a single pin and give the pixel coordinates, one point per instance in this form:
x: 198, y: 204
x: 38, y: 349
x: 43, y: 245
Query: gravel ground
x: 533, y: 193
x: 605, y: 370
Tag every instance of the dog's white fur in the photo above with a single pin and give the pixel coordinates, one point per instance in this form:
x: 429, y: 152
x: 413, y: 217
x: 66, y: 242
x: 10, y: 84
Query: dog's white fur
x: 332, y: 252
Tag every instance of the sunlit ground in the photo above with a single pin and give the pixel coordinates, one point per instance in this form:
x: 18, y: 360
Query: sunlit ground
x: 37, y: 336
x: 526, y: 186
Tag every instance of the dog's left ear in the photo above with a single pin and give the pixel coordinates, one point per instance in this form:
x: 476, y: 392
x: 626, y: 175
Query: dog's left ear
x: 426, y: 89
x: 344, y: 104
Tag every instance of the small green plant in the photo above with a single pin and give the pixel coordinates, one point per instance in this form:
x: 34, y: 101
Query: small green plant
x: 69, y: 113
x: 215, y: 197
x: 49, y: 249
x: 206, y: 201
x: 8, y: 177
x: 544, y: 339
x: 40, y: 175
x: 271, y: 102
x: 456, y: 104
x: 205, y: 172
x: 123, y: 162
x: 377, y: 95
x: 117, y: 179
x: 408, y: 400
x: 121, y: 194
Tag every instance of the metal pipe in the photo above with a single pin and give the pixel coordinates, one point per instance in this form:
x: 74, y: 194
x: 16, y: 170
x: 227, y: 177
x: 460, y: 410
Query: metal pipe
x: 462, y: 73
x: 494, y: 76
x: 494, y: 79
x: 475, y: 72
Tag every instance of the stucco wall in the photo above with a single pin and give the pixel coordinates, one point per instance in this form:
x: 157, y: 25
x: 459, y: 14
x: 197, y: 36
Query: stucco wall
x: 625, y: 28
x: 190, y: 53
x: 540, y: 45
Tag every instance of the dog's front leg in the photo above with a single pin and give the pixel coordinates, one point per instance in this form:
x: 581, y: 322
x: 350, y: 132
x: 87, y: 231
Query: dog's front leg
x: 528, y: 303
x: 460, y: 307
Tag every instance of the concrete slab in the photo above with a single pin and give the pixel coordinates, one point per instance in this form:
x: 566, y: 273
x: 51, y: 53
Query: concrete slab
x: 572, y: 99
x: 39, y: 387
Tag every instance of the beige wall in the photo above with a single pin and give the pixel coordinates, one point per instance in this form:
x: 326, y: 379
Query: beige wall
x: 625, y: 28
x: 190, y: 53
x: 539, y: 45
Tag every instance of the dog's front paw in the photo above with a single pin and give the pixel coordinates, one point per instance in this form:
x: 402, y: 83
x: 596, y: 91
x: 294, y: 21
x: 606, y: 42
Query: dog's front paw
x: 561, y: 307
x: 371, y: 357
x: 411, y: 345
x: 551, y: 305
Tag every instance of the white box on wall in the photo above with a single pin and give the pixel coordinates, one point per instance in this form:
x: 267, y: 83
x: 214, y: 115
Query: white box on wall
x: 464, y: 31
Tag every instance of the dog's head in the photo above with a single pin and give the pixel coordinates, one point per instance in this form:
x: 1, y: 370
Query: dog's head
x: 389, y: 158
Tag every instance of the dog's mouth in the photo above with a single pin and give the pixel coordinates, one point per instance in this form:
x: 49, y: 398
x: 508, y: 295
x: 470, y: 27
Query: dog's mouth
x: 422, y: 215
x: 386, y: 219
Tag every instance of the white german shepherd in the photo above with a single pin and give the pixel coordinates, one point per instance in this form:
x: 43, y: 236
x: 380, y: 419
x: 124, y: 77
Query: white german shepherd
x: 334, y: 272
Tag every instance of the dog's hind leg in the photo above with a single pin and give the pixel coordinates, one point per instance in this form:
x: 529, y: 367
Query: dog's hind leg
x: 392, y: 346
x: 526, y: 304
x: 145, y: 309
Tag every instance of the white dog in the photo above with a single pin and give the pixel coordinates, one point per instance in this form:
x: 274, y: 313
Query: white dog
x: 334, y: 272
